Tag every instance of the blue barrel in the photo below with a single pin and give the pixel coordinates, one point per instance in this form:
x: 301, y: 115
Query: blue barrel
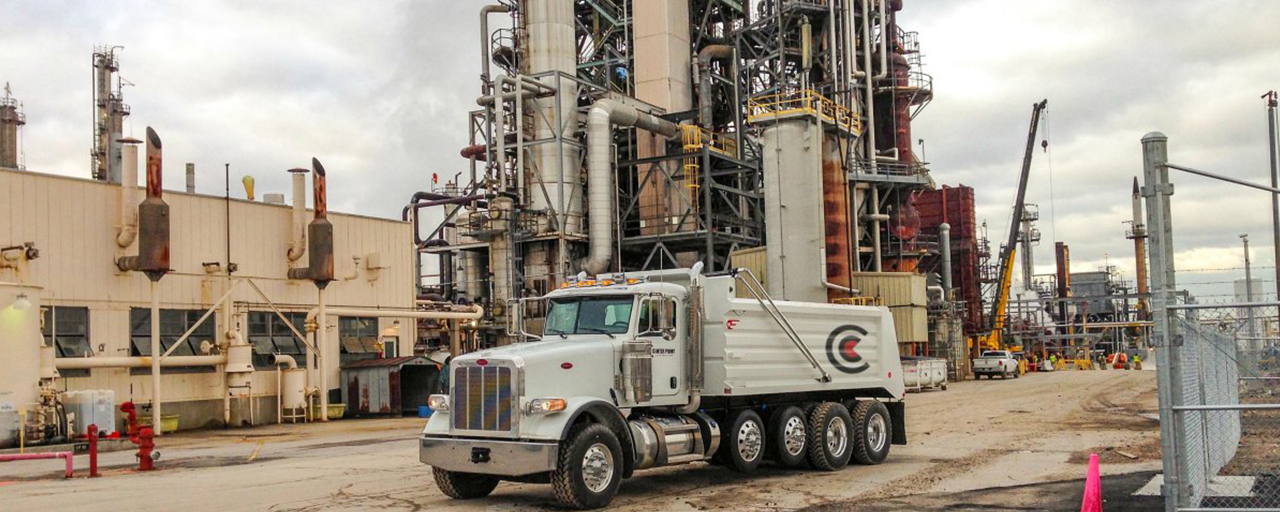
x: 424, y: 411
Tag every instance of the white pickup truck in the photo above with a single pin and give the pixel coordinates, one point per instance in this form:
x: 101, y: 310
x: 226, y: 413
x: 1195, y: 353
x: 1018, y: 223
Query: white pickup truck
x: 641, y: 370
x: 996, y: 362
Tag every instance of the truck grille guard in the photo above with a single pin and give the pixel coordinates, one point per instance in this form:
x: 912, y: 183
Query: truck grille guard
x: 766, y: 302
x: 485, y: 398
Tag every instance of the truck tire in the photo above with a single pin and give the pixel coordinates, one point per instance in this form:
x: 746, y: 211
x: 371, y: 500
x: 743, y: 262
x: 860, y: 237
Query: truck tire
x: 871, y: 433
x: 463, y: 486
x: 829, y: 425
x: 789, y: 436
x: 589, y: 470
x: 744, y: 442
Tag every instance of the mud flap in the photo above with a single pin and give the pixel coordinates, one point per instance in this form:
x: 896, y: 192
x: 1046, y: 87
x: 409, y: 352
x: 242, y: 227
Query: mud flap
x: 897, y: 415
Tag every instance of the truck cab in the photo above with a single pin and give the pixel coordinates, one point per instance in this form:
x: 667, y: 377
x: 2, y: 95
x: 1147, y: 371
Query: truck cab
x: 633, y: 371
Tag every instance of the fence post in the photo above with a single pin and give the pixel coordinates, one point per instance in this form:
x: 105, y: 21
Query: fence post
x: 1156, y: 192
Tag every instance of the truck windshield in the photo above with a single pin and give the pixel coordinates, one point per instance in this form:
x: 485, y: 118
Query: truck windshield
x: 589, y: 315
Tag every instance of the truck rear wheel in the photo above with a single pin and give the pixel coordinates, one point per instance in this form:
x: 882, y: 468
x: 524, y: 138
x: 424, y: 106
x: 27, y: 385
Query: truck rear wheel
x: 829, y: 425
x: 743, y: 446
x: 464, y: 486
x: 871, y: 432
x: 789, y: 436
x: 589, y: 469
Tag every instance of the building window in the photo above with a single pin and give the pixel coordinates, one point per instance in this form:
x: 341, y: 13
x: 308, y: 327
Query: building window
x: 270, y: 335
x: 173, y: 324
x: 358, y: 337
x: 72, y: 328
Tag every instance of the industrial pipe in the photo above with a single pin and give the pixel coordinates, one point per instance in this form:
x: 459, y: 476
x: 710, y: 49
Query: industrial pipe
x: 944, y: 247
x: 298, y: 240
x: 128, y: 231
x: 153, y: 214
x: 702, y: 74
x: 319, y: 234
x: 85, y: 363
x: 284, y: 360
x: 822, y: 274
x: 484, y: 37
x: 603, y: 116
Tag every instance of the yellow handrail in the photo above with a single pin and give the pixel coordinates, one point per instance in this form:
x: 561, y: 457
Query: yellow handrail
x: 805, y: 101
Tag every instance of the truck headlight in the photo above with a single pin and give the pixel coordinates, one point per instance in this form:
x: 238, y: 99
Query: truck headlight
x: 544, y: 405
x: 438, y: 403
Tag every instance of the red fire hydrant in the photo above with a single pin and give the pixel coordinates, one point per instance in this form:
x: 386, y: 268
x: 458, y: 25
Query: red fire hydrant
x: 143, y: 437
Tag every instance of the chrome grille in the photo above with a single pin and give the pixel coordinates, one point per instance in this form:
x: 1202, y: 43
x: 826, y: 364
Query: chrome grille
x: 484, y: 398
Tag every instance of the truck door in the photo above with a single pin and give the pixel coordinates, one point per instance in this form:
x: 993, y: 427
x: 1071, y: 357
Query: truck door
x: 660, y: 323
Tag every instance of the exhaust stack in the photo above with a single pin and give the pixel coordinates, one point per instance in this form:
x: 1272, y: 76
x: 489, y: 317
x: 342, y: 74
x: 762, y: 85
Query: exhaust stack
x: 319, y: 236
x: 153, y: 220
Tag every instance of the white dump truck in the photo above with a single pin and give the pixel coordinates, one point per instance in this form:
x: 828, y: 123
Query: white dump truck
x: 641, y: 370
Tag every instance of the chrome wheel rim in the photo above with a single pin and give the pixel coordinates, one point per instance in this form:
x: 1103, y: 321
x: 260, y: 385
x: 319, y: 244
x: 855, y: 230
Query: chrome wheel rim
x: 597, y: 467
x: 793, y: 436
x: 837, y: 437
x: 750, y: 441
x: 877, y: 432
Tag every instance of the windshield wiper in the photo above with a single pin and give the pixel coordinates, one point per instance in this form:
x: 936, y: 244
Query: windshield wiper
x: 597, y: 329
x: 561, y: 333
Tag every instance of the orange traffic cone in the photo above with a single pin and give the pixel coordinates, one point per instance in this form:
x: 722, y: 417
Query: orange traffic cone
x: 1092, y: 487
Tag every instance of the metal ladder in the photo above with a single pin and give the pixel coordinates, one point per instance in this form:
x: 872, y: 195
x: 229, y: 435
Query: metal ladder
x: 766, y: 302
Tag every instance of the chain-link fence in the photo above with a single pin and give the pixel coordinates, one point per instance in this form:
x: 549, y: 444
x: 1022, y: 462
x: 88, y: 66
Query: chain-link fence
x: 1226, y: 416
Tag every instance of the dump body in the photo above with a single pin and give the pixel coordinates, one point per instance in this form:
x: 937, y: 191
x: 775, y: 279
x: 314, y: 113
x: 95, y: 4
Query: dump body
x: 747, y: 353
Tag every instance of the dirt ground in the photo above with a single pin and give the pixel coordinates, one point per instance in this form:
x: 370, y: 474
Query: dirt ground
x: 1030, y: 435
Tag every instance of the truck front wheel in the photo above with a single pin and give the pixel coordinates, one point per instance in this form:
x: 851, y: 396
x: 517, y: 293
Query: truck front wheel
x: 463, y: 486
x: 871, y: 432
x: 829, y: 425
x: 589, y: 469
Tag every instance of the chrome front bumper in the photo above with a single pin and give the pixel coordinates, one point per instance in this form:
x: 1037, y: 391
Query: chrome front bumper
x: 503, y: 458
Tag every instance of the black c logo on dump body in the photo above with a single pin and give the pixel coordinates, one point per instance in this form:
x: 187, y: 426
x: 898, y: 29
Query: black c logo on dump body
x: 841, y: 349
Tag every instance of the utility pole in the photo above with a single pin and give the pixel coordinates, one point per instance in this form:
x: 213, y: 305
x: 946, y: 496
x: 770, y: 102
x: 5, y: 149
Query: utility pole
x: 1271, y: 98
x: 1248, y: 296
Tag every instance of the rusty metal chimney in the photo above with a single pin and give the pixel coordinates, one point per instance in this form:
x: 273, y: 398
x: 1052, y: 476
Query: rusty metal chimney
x: 319, y: 235
x: 153, y: 220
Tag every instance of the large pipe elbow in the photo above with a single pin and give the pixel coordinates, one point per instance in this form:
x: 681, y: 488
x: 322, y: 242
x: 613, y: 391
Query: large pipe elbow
x: 298, y: 238
x: 604, y: 114
x: 703, y: 73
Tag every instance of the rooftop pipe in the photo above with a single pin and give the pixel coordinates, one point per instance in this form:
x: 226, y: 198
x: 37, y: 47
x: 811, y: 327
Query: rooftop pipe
x: 603, y: 116
x: 319, y: 236
x: 298, y: 240
x: 128, y: 231
x: 153, y: 214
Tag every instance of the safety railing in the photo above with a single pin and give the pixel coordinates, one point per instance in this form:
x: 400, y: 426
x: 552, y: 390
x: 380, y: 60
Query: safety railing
x: 695, y: 138
x: 865, y: 300
x: 770, y: 107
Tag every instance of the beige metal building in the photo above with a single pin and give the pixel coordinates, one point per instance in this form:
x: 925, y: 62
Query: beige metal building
x: 64, y: 235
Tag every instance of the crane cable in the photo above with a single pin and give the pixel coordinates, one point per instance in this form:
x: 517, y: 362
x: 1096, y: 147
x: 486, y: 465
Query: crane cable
x: 1053, y: 214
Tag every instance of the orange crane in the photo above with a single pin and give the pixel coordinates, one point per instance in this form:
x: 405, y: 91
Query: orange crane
x: 993, y: 340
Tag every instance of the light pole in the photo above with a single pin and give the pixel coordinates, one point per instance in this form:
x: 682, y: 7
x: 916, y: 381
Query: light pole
x: 1248, y: 293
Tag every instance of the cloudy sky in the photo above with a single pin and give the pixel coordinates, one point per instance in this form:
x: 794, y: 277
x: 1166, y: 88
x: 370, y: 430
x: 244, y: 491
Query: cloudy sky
x: 379, y: 90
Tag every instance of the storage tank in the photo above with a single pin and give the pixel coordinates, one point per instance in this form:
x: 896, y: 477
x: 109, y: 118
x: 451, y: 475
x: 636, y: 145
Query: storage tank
x: 293, y: 396
x: 20, y: 341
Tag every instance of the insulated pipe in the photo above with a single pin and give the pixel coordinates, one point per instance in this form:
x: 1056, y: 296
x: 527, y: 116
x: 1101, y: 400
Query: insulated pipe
x: 128, y: 193
x: 85, y: 363
x: 298, y: 241
x: 155, y: 360
x: 320, y: 315
x: 703, y: 73
x: 484, y: 38
x: 869, y: 97
x: 944, y: 247
x: 603, y: 116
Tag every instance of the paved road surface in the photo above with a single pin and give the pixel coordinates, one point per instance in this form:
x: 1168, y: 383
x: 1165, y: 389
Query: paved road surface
x: 976, y: 435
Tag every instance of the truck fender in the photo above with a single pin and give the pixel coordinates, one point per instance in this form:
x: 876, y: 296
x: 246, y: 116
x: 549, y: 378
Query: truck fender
x: 600, y: 411
x: 898, y: 416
